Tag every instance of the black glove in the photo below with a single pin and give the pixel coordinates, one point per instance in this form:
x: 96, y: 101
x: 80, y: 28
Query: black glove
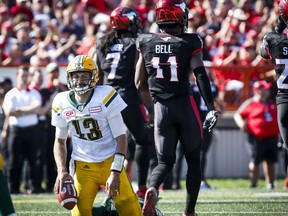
x: 211, y: 119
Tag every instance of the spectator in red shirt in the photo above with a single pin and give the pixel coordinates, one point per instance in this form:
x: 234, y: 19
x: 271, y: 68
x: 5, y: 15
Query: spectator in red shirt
x: 228, y: 80
x: 16, y: 57
x: 22, y: 8
x: 4, y: 15
x: 257, y: 116
x: 143, y: 9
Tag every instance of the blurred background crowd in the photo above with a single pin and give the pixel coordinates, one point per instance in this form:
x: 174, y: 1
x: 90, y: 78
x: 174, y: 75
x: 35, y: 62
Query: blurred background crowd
x: 38, y: 32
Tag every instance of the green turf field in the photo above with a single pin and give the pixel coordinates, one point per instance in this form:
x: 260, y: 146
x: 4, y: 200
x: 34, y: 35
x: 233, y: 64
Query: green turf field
x: 231, y: 197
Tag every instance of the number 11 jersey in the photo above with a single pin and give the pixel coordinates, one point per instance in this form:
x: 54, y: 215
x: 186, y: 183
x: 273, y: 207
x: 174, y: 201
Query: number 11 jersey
x: 167, y: 61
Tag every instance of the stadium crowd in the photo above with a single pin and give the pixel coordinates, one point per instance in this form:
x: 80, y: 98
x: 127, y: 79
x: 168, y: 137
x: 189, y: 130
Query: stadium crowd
x: 38, y: 32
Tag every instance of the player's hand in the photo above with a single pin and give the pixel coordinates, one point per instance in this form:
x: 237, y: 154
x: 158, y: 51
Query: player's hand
x: 211, y: 119
x: 113, y: 184
x: 64, y: 176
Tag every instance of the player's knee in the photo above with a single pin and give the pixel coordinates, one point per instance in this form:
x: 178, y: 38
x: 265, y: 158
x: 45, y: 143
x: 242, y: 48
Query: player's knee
x: 129, y: 206
x: 79, y: 210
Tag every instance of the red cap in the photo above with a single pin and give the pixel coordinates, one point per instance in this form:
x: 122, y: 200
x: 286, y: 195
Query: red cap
x: 262, y: 84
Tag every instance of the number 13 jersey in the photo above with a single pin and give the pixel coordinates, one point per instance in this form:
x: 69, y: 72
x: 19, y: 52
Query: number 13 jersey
x: 88, y: 124
x: 167, y: 60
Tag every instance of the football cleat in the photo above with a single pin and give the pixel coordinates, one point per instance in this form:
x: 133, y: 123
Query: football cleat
x: 109, y: 205
x: 141, y: 192
x: 189, y: 214
x: 150, y: 201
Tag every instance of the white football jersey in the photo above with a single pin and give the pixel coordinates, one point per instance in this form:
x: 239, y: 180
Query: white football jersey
x: 91, y: 135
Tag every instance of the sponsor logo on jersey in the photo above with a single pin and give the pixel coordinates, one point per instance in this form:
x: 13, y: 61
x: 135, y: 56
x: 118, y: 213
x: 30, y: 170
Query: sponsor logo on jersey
x: 95, y: 109
x: 82, y: 116
x: 69, y: 113
x: 117, y: 48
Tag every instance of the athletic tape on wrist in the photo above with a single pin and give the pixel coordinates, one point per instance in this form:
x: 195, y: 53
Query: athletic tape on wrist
x: 118, y: 162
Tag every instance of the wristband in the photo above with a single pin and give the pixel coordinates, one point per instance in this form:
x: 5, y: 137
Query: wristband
x: 118, y: 162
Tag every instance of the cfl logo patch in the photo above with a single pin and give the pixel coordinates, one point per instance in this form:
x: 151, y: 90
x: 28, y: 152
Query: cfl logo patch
x: 69, y: 113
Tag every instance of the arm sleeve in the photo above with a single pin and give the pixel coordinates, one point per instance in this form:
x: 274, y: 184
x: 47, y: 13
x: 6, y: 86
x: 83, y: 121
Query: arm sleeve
x: 204, y: 86
x: 61, y: 132
x: 117, y: 125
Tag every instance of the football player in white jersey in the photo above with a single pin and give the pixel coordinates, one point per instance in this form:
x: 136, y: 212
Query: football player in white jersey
x: 92, y: 115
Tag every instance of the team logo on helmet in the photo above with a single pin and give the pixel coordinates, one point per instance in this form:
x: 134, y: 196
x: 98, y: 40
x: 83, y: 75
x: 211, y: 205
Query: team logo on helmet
x: 125, y: 18
x: 283, y: 10
x: 171, y: 12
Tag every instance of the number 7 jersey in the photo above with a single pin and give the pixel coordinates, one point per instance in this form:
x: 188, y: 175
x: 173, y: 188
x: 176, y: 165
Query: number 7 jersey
x: 88, y: 124
x: 167, y: 61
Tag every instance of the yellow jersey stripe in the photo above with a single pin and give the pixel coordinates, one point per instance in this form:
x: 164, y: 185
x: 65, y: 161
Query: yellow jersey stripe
x: 110, y: 97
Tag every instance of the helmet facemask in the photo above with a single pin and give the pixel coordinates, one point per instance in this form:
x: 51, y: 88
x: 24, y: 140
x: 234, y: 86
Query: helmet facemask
x: 82, y: 64
x: 81, y: 86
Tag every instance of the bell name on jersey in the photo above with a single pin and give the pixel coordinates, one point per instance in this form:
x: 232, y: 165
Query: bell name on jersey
x: 163, y: 49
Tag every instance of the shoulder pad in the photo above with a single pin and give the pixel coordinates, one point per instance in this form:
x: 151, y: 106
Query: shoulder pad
x: 273, y: 38
x: 144, y: 37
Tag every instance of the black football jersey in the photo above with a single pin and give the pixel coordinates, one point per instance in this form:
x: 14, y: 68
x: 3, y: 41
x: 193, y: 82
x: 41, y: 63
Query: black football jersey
x: 118, y: 64
x: 167, y: 61
x: 275, y: 47
x: 203, y: 110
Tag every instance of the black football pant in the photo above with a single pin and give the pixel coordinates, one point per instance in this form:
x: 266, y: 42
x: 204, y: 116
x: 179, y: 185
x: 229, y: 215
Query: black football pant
x: 23, y: 143
x: 134, y: 121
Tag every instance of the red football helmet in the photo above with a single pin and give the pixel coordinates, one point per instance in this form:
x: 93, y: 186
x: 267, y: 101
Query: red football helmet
x: 283, y: 10
x: 125, y: 18
x: 171, y: 12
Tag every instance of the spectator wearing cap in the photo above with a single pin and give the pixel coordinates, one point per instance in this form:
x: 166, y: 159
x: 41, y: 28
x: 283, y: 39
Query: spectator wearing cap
x: 53, y: 82
x: 22, y: 7
x: 247, y: 55
x: 257, y: 117
x: 21, y: 106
